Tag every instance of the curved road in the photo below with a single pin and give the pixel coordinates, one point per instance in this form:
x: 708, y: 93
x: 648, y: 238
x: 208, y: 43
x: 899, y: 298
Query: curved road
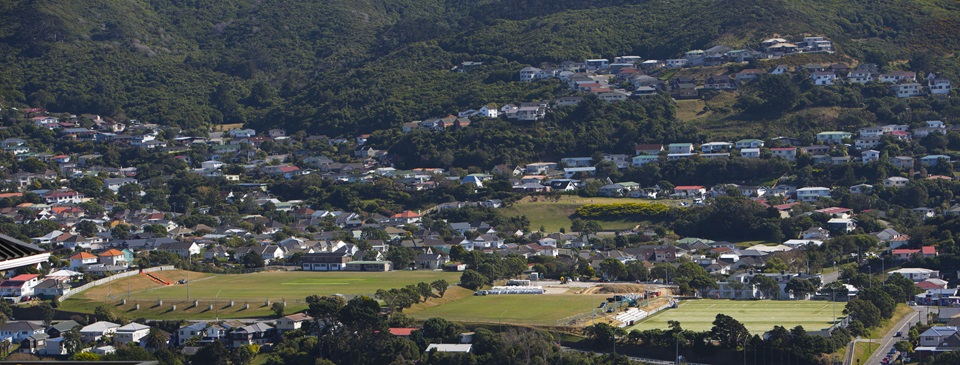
x: 888, y: 340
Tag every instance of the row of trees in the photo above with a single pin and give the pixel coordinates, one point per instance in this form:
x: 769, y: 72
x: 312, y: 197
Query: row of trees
x: 397, y: 299
x: 727, y: 336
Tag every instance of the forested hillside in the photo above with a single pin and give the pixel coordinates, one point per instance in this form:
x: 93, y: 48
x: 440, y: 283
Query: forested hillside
x: 348, y: 66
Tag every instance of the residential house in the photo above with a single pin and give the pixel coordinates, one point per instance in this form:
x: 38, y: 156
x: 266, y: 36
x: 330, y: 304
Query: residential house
x: 898, y: 77
x: 749, y: 74
x: 719, y: 83
x: 907, y: 90
x: 16, y: 331
x: 869, y: 156
x: 131, y: 332
x: 648, y: 149
x: 917, y: 274
x: 933, y: 160
x: 431, y: 261
x: 571, y: 172
x: 464, y: 348
x: 64, y: 197
x: 895, y: 182
x: 641, y: 160
x: 787, y: 153
x: 845, y: 225
x: 113, y: 257
x: 680, y: 148
x: 715, y: 147
x: 823, y: 78
x: 692, y: 191
x: 258, y: 333
x: 939, y: 339
x: 325, y: 261
x: 98, y: 330
x: 812, y: 194
x: 749, y: 143
x: 860, y: 76
x: 938, y: 86
x: 33, y: 343
x: 52, y: 288
x: 19, y: 285
x: 293, y: 322
x: 750, y: 153
x: 902, y: 162
x: 184, y: 249
x: 189, y: 331
x: 833, y: 137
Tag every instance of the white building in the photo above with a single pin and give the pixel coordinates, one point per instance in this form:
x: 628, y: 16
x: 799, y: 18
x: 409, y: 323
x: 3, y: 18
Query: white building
x: 812, y: 194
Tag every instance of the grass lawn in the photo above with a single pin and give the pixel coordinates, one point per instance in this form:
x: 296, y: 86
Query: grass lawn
x: 544, y: 309
x: 688, y: 110
x: 255, y: 289
x: 553, y: 214
x: 758, y: 316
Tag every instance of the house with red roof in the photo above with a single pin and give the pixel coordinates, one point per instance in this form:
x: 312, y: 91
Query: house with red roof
x: 404, y: 332
x: 82, y: 259
x: 287, y: 171
x: 405, y: 217
x: 63, y: 197
x: 690, y: 191
x: 932, y: 284
x: 19, y: 285
x: 112, y: 257
x: 928, y: 251
x: 904, y: 253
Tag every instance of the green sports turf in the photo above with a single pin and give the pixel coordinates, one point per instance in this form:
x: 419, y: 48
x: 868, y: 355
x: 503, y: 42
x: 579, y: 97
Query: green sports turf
x: 758, y: 316
x: 545, y: 309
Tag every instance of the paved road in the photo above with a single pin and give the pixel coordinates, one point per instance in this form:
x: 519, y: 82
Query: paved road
x: 886, y: 342
x: 830, y: 277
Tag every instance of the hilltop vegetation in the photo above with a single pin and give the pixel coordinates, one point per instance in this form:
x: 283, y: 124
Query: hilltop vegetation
x: 341, y: 66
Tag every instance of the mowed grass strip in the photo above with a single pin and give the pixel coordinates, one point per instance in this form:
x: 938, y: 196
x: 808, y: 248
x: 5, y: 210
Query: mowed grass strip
x: 518, y: 309
x: 758, y: 316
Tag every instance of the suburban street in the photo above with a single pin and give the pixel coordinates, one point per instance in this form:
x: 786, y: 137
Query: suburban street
x: 889, y: 339
x: 830, y: 277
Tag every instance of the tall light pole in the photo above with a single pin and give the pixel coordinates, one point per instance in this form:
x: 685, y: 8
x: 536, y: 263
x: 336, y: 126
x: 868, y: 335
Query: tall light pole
x: 217, y: 304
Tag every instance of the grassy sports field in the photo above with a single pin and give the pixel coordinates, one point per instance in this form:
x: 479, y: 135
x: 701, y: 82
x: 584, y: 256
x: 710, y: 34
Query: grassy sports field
x: 758, y: 316
x: 513, y: 309
x: 553, y: 214
x: 256, y: 289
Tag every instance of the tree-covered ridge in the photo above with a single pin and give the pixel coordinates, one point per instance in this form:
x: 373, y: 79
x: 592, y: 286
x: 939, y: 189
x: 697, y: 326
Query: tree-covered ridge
x: 356, y: 66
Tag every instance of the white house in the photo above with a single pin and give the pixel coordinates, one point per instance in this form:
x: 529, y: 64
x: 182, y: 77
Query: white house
x: 917, y: 274
x: 812, y: 194
x: 823, y: 78
x: 189, y: 331
x: 489, y: 111
x: 16, y: 331
x: 869, y: 156
x: 787, y: 153
x: 907, y: 90
x: 895, y: 182
x: 132, y: 332
x: 292, y: 322
x: 98, y: 330
x: 842, y: 224
x: 19, y: 285
x: 750, y: 153
x: 750, y: 143
x: 833, y: 137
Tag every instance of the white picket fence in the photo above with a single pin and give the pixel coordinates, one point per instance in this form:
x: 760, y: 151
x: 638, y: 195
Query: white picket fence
x: 112, y: 278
